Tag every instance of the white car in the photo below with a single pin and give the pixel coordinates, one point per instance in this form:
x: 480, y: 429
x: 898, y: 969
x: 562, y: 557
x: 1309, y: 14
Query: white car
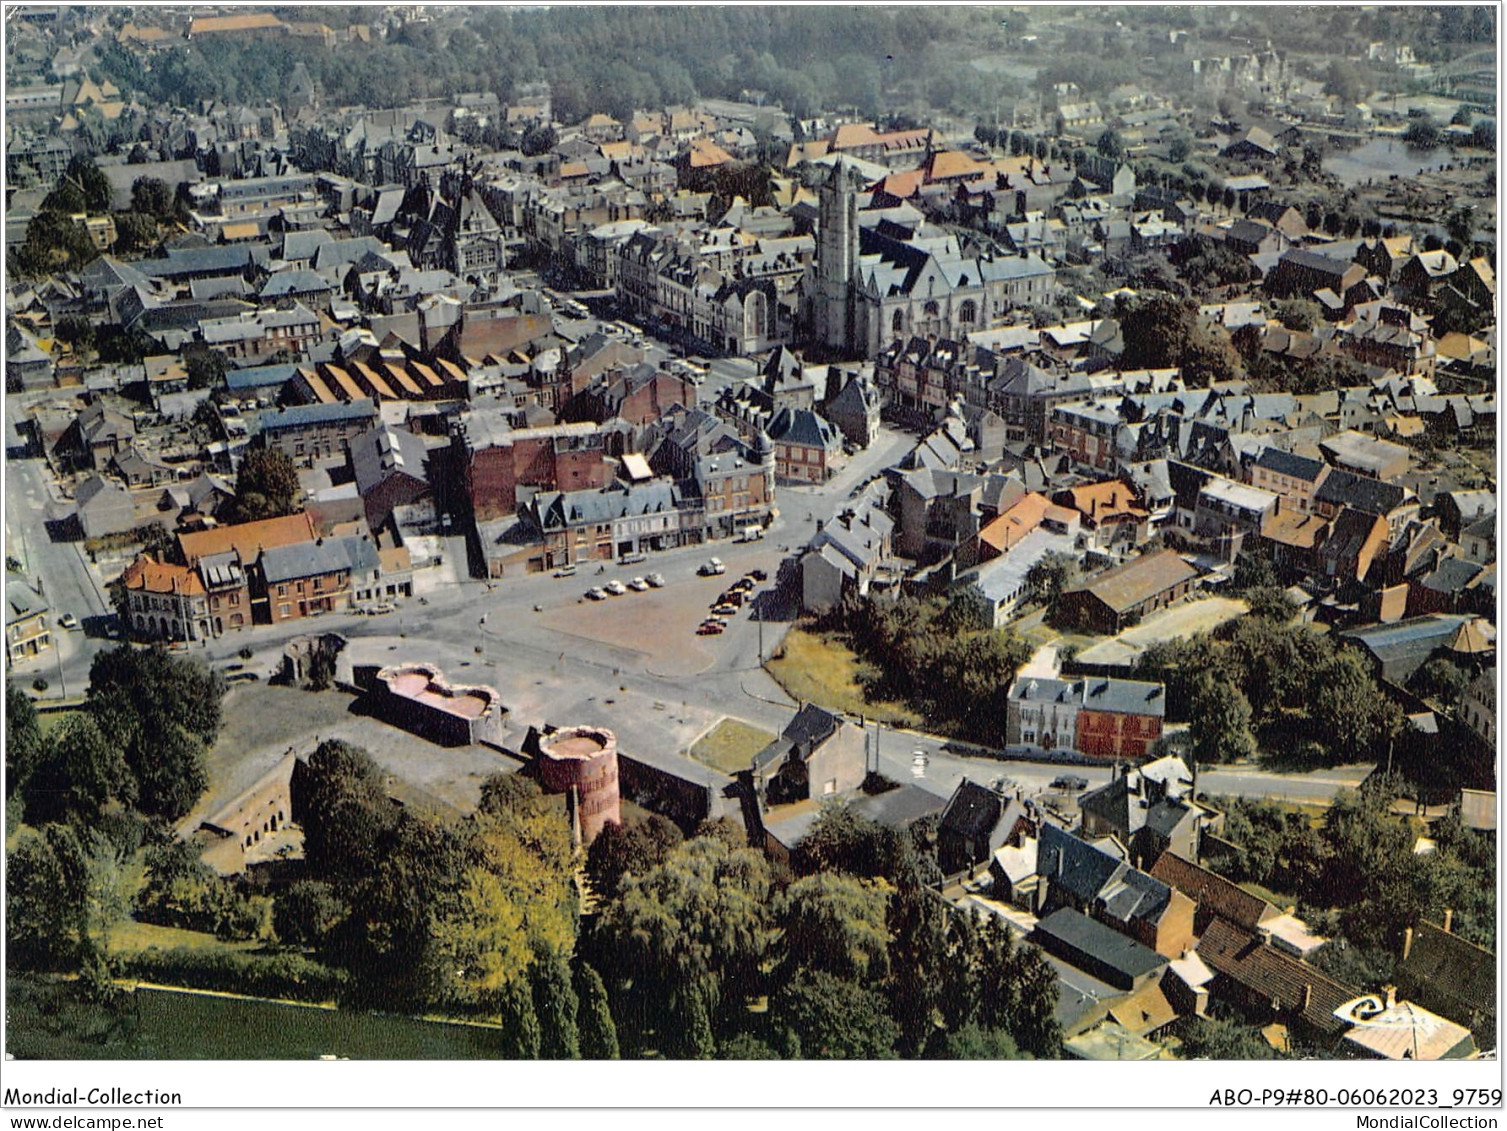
x: 918, y: 762
x: 616, y: 587
x: 596, y: 593
x: 657, y: 580
x: 68, y: 620
x: 638, y: 585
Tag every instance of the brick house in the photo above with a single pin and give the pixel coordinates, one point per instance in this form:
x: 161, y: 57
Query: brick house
x: 316, y: 431
x: 1119, y: 718
x: 309, y: 578
x: 807, y: 448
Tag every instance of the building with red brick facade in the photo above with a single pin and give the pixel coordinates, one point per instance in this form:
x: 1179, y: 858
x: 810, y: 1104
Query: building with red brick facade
x: 1104, y: 718
x: 495, y: 460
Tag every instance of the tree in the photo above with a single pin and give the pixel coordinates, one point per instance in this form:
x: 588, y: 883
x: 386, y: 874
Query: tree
x: 134, y: 231
x: 1297, y: 313
x: 76, y: 331
x: 620, y: 851
x: 347, y: 812
x: 267, y: 485
x: 44, y: 894
x: 151, y: 196
x: 95, y: 186
x: 835, y: 1019
x: 973, y: 1042
x: 1221, y: 722
x: 594, y: 1024
x: 523, y: 1036
x: 556, y: 1005
x: 25, y: 745
x: 1109, y: 145
x: 1353, y: 712
x: 1442, y: 680
x: 206, y: 370
x: 690, y: 934
x: 84, y: 771
x: 307, y: 912
x: 164, y: 712
x: 843, y: 840
x: 1423, y: 132
x: 1210, y: 1038
x: 1053, y: 573
x: 836, y: 923
x: 1461, y: 223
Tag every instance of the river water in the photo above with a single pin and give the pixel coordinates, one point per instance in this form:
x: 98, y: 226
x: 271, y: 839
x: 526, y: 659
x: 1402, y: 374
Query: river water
x: 1382, y: 157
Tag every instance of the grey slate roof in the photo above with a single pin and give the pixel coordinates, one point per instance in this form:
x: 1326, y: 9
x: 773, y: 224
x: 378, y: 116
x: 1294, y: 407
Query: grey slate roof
x: 302, y: 416
x: 383, y: 452
x: 1370, y: 496
x: 327, y: 555
x: 802, y: 426
x: 1118, y: 952
x: 1124, y: 697
x: 973, y: 810
x: 1073, y: 864
x: 1275, y: 460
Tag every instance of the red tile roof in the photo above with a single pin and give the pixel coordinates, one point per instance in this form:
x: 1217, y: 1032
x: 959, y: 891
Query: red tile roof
x: 1290, y: 985
x: 247, y: 538
x: 1213, y: 893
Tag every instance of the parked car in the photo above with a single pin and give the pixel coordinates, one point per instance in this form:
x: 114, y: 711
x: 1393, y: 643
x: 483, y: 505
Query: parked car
x: 616, y: 587
x: 638, y: 585
x: 710, y: 628
x: 632, y: 559
x: 711, y: 568
x: 742, y: 585
x: 726, y: 610
x: 657, y: 580
x: 596, y: 593
x: 758, y: 574
x: 566, y: 571
x: 1070, y: 782
x: 68, y: 620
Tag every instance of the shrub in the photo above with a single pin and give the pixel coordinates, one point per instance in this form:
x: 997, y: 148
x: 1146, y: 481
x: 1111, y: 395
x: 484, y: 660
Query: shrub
x: 284, y: 975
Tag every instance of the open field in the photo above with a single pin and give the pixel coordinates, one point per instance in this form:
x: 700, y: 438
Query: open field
x: 173, y: 1025
x: 730, y: 745
x: 130, y: 937
x: 817, y: 668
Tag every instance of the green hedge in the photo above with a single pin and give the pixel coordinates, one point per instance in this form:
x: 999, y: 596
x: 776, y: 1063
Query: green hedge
x: 286, y: 975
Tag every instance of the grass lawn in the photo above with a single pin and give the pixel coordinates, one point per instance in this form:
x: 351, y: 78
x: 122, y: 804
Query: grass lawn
x: 130, y: 937
x: 730, y: 745
x: 50, y: 721
x: 1276, y: 899
x: 821, y: 669
x: 49, y: 1022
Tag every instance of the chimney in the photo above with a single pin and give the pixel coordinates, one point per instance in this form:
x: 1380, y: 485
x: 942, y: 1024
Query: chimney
x: 1308, y: 995
x: 1391, y: 992
x: 1449, y: 918
x: 1407, y: 943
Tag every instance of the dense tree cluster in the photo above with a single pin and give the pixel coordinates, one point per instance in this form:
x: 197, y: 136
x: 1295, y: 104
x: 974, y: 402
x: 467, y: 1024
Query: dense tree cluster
x: 1355, y: 874
x: 1162, y: 330
x: 928, y: 654
x: 855, y: 956
x: 139, y: 742
x: 267, y: 484
x: 598, y: 59
x: 1283, y: 688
